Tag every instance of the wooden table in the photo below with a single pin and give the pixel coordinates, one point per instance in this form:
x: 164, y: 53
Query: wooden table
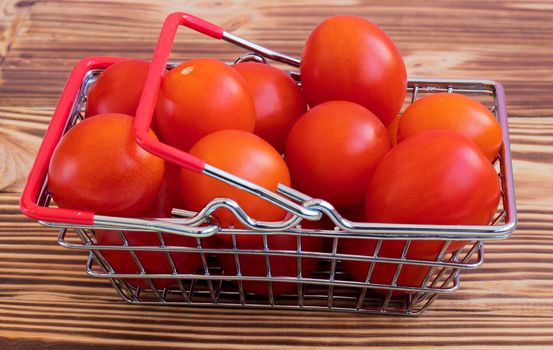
x: 48, y: 301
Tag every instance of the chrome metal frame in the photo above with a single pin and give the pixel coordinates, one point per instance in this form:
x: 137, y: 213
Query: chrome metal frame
x: 330, y: 288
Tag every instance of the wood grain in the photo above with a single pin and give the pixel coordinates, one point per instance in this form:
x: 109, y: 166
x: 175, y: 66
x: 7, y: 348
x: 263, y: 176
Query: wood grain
x: 47, y: 300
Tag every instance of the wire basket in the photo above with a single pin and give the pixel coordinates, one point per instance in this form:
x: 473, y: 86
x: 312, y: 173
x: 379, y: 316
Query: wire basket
x: 174, y: 260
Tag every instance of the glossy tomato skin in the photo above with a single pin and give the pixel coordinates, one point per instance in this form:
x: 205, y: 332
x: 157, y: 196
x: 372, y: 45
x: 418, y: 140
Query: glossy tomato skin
x: 98, y: 166
x: 455, y: 112
x: 350, y: 58
x: 118, y: 88
x: 241, y: 154
x: 152, y: 262
x: 278, y: 101
x: 333, y: 150
x: 199, y: 97
x: 281, y: 266
x: 436, y: 177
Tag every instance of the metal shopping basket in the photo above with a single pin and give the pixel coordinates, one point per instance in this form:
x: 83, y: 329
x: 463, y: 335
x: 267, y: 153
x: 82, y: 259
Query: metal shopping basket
x: 393, y: 284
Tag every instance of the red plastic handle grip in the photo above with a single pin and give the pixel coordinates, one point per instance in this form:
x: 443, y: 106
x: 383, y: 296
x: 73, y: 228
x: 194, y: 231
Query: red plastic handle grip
x: 148, y: 99
x: 29, y: 197
x: 199, y: 25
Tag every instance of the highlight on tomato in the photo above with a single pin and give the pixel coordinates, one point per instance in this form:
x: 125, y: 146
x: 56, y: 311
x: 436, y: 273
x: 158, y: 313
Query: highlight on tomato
x: 199, y: 97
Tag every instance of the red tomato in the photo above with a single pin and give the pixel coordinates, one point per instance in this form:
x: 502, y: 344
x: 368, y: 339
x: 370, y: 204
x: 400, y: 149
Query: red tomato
x: 350, y: 58
x: 383, y: 273
x: 199, y: 97
x: 278, y: 101
x: 456, y: 112
x: 333, y: 150
x: 118, y: 88
x: 152, y: 262
x: 98, y: 166
x: 392, y: 130
x: 436, y: 177
x: 411, y: 275
x: 241, y: 154
x: 281, y: 266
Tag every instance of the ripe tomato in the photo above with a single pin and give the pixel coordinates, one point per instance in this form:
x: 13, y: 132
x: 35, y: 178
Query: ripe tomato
x: 383, y: 273
x: 350, y: 58
x: 456, y: 112
x: 435, y: 177
x: 152, y: 262
x: 281, y: 266
x: 199, y: 97
x: 172, y: 178
x: 118, y: 88
x: 410, y: 276
x: 333, y: 150
x: 392, y: 130
x: 278, y: 101
x: 98, y: 166
x: 241, y: 154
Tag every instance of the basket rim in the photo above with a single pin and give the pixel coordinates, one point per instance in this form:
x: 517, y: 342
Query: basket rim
x: 92, y: 65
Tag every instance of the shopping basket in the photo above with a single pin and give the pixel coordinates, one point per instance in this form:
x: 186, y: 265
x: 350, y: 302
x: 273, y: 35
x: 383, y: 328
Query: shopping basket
x: 327, y: 286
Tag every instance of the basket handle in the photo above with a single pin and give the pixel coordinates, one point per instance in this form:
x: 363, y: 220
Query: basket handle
x: 149, y: 96
x: 146, y: 106
x: 33, y: 187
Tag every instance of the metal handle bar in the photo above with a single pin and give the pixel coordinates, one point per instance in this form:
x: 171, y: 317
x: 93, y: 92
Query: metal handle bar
x: 70, y: 96
x: 149, y: 97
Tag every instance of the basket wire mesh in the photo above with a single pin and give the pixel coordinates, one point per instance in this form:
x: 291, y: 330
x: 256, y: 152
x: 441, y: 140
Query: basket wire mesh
x: 329, y: 287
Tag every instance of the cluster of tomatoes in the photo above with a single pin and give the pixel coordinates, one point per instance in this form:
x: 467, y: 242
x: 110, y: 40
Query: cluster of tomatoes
x: 338, y: 137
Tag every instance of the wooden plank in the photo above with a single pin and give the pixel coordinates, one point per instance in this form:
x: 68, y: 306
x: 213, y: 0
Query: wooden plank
x: 21, y: 131
x: 14, y: 18
x: 489, y: 39
x: 48, y: 301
